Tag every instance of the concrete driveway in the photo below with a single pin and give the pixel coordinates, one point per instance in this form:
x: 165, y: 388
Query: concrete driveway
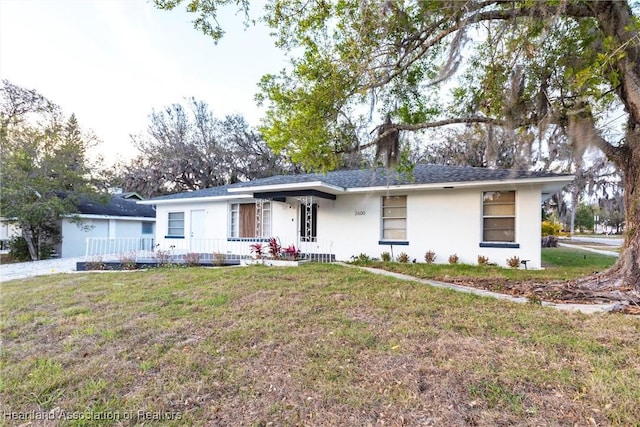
x: 21, y: 270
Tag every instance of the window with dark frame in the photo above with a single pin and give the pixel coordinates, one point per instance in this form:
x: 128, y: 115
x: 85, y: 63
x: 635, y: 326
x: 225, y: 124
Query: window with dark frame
x: 176, y: 224
x: 394, y: 218
x: 499, y: 216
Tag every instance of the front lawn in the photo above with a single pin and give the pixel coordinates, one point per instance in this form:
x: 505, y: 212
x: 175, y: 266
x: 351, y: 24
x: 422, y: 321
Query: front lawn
x: 314, y: 345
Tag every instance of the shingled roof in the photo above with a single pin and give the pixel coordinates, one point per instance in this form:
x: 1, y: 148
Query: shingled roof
x: 117, y: 206
x: 362, y: 178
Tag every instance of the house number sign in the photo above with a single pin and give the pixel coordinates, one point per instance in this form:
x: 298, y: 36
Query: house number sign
x: 361, y: 213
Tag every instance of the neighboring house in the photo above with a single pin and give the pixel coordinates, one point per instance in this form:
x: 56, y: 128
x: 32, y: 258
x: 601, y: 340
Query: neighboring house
x: 449, y: 210
x: 122, y: 218
x: 8, y: 231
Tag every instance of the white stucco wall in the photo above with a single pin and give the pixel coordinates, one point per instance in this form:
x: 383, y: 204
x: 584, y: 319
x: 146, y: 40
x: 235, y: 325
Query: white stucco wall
x: 446, y: 221
x: 74, y: 235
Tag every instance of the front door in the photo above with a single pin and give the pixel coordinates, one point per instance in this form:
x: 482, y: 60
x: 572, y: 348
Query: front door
x: 197, y: 231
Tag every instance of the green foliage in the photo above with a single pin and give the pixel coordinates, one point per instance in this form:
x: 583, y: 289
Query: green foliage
x: 584, y: 218
x: 385, y: 257
x: 19, y: 251
x: 45, y: 166
x: 361, y: 258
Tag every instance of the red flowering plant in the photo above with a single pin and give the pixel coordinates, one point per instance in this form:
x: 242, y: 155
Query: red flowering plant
x: 291, y: 252
x: 257, y: 249
x: 274, y: 248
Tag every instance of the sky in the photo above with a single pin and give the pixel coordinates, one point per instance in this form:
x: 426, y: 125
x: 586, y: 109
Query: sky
x: 111, y: 62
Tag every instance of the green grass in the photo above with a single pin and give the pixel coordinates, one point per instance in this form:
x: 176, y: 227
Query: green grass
x: 314, y: 345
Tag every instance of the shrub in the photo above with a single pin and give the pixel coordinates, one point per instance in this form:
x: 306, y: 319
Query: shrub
x: 430, y: 257
x: 513, y: 262
x: 453, y: 259
x: 385, y: 256
x: 219, y: 259
x: 128, y: 261
x: 483, y: 260
x: 162, y: 257
x: 95, y: 263
x: 549, y: 242
x: 362, y: 258
x: 19, y: 250
x: 257, y: 248
x: 403, y: 257
x: 192, y: 259
x: 274, y: 248
x: 550, y: 228
x: 291, y: 252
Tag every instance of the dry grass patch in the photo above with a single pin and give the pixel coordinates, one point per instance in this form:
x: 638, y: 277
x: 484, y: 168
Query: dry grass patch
x: 314, y: 345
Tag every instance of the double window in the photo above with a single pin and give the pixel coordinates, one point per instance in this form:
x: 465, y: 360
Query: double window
x: 394, y: 218
x: 176, y: 224
x: 250, y: 220
x: 499, y: 216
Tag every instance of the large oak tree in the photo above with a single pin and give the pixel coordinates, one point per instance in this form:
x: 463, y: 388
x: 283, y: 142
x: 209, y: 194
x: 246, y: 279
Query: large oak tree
x: 547, y: 71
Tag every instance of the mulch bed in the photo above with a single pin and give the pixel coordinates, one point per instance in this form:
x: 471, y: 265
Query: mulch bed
x: 557, y: 292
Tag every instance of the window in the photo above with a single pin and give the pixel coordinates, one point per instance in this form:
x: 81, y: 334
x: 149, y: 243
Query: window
x: 147, y: 228
x: 243, y: 217
x: 498, y: 216
x: 308, y: 225
x: 176, y: 224
x: 394, y: 218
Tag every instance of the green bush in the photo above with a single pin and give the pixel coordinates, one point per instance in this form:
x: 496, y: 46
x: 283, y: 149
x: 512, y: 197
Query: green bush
x: 19, y: 250
x: 385, y: 256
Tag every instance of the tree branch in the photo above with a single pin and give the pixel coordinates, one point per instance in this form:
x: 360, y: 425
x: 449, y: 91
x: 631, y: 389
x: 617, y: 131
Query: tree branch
x: 427, y: 125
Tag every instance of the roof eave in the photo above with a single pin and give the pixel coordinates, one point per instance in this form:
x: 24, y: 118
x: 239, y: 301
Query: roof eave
x: 555, y: 181
x: 195, y: 199
x: 312, y: 185
x: 118, y: 217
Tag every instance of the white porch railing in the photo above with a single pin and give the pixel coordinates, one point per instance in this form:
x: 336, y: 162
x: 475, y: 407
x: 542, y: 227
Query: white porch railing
x: 145, y: 249
x: 114, y: 248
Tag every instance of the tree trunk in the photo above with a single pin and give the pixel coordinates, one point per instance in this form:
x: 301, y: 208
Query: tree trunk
x: 27, y: 235
x: 627, y: 268
x: 615, y: 19
x: 624, y: 275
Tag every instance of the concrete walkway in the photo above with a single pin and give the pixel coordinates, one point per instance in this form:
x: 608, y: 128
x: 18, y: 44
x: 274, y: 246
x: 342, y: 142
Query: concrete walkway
x: 597, y: 251
x: 21, y: 270
x: 584, y: 308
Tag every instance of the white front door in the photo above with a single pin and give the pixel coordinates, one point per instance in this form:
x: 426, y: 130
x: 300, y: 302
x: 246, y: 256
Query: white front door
x: 197, y: 231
